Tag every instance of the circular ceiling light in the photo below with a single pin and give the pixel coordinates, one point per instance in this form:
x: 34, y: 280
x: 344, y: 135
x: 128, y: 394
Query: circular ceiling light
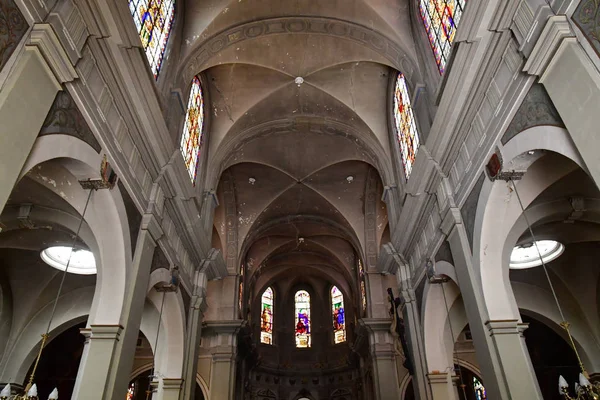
x: 527, y: 256
x: 82, y: 261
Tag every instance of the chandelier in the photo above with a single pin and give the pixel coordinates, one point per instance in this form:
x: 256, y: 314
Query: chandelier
x: 584, y: 389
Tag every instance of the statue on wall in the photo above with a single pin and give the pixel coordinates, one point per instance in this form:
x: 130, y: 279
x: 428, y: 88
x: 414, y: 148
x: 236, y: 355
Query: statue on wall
x: 398, y: 331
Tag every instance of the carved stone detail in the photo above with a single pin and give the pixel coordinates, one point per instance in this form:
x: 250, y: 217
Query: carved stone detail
x: 537, y: 109
x: 299, y: 25
x: 230, y: 222
x: 64, y: 118
x: 12, y: 28
x: 371, y: 200
x: 587, y: 18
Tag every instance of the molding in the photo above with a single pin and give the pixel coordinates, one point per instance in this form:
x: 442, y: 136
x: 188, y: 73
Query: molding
x: 45, y: 39
x: 557, y: 28
x: 359, y: 34
x: 506, y: 327
x: 151, y: 224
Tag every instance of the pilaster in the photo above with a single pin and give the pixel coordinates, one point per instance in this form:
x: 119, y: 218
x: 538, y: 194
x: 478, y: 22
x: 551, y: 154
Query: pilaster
x: 383, y: 356
x: 223, y: 336
x: 443, y: 385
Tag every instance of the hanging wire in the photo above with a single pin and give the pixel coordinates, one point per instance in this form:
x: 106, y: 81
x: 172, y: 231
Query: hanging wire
x: 46, y: 334
x: 538, y: 250
x: 565, y: 324
x: 162, y: 305
x: 462, y: 384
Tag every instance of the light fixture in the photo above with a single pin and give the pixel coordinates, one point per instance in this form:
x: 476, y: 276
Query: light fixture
x: 299, y: 80
x: 80, y: 261
x: 527, y: 256
x: 251, y: 180
x: 350, y: 178
x: 584, y: 390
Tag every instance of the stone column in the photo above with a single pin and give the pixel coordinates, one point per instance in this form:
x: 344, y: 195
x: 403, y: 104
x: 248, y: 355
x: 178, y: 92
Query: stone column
x: 443, y: 386
x: 25, y: 99
x: 193, y: 336
x: 412, y: 320
x: 109, y: 351
x: 170, y: 389
x: 383, y: 355
x: 500, y: 347
x: 222, y: 372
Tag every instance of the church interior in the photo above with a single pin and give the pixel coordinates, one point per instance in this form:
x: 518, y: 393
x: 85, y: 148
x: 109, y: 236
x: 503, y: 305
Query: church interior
x: 299, y: 200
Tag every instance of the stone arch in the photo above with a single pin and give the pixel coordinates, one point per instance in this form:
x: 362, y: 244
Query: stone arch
x: 203, y: 386
x: 170, y: 353
x: 106, y: 216
x: 439, y: 343
x: 72, y: 309
x: 497, y: 212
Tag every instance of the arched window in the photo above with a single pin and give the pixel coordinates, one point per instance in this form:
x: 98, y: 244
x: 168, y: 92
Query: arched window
x: 339, y: 315
x: 266, y: 317
x: 363, y: 289
x: 479, y: 389
x: 191, y: 138
x: 408, y: 138
x: 241, y: 293
x: 441, y: 18
x: 130, y: 391
x: 153, y: 20
x: 302, y: 315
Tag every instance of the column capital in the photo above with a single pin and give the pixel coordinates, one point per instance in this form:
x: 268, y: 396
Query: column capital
x: 171, y: 383
x: 437, y: 377
x: 152, y: 225
x: 506, y: 327
x: 94, y: 332
x: 213, y: 265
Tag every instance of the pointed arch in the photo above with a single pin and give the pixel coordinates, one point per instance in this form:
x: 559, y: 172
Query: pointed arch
x: 441, y: 18
x: 338, y: 314
x: 191, y: 137
x: 153, y: 20
x: 302, y: 317
x: 266, y: 316
x: 405, y: 125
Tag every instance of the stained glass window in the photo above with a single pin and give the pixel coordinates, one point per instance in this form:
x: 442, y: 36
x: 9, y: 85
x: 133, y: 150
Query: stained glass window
x: 441, y: 18
x: 153, y: 20
x: 191, y: 138
x: 408, y: 138
x: 266, y: 317
x: 363, y: 289
x: 302, y: 316
x: 241, y: 292
x: 130, y: 391
x: 338, y: 314
x: 479, y: 389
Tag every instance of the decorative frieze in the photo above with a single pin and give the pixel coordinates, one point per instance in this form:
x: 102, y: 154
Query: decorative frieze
x: 12, y: 28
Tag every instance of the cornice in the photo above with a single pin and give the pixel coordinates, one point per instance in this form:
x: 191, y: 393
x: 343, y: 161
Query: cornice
x: 45, y: 39
x: 556, y: 30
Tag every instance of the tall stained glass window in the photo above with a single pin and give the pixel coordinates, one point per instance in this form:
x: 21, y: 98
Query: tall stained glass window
x: 479, y: 389
x: 302, y: 315
x: 363, y: 289
x: 441, y: 18
x: 241, y: 292
x: 153, y: 20
x: 339, y: 315
x: 266, y: 317
x: 130, y: 391
x: 408, y: 138
x: 191, y: 138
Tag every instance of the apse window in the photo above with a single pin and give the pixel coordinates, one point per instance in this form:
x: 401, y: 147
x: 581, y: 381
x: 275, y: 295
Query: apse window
x: 302, y: 315
x: 153, y: 20
x: 406, y: 129
x: 266, y: 317
x: 441, y: 18
x: 528, y: 255
x: 191, y: 138
x: 73, y: 260
x: 339, y: 315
